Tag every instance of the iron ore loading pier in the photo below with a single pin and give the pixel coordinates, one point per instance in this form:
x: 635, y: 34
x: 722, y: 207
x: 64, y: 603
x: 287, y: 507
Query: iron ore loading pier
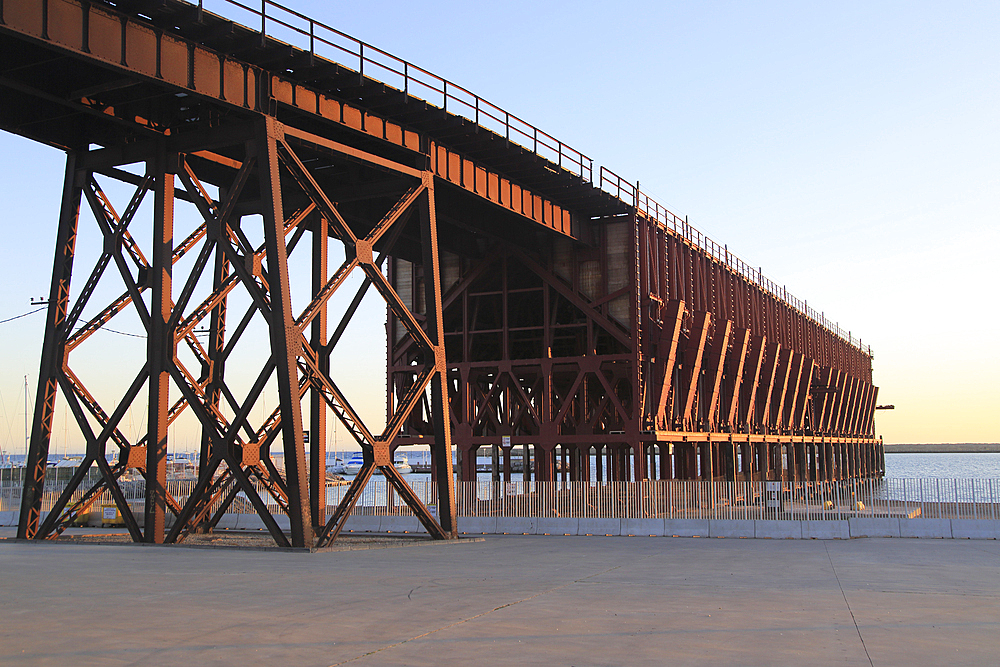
x: 533, y: 302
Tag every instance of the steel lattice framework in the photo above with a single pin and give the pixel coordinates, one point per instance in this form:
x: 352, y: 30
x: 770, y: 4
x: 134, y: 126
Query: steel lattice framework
x: 689, y: 372
x: 528, y: 304
x: 272, y: 160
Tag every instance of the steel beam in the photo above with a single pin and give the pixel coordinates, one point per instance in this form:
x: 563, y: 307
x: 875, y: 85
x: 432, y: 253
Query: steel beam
x: 284, y: 334
x: 160, y: 345
x: 441, y: 450
x: 317, y: 406
x: 53, y: 351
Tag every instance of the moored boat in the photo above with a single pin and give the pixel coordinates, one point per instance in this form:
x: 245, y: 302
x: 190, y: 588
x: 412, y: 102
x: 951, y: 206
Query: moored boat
x: 400, y: 463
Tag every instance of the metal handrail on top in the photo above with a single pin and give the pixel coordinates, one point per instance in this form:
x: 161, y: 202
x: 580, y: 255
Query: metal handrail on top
x: 414, y: 80
x: 491, y: 117
x: 629, y: 193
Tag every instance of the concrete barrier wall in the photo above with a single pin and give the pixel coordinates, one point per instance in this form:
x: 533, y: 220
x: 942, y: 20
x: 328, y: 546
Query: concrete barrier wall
x: 774, y: 530
x: 974, y: 529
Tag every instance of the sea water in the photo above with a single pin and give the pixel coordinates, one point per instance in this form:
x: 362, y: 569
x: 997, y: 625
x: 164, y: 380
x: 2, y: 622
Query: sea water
x: 897, y: 466
x: 943, y: 466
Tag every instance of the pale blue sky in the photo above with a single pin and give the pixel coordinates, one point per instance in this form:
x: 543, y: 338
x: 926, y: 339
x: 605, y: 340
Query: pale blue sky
x: 851, y: 149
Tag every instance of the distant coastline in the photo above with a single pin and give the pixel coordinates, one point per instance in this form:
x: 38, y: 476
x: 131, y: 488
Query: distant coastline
x: 945, y: 448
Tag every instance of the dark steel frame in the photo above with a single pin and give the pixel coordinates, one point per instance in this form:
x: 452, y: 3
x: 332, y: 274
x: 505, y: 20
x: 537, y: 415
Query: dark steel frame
x: 234, y: 452
x: 708, y: 376
x: 686, y: 364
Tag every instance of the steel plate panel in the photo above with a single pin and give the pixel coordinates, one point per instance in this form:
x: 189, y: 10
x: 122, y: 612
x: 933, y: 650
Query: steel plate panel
x: 66, y: 23
x: 140, y: 49
x: 24, y: 16
x: 174, y: 61
x: 105, y: 36
x: 207, y: 72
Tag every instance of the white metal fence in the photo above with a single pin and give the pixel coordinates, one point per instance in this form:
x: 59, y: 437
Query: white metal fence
x: 902, y: 498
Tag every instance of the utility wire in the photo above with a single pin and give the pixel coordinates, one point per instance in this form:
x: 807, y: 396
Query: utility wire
x: 30, y: 312
x: 110, y: 330
x: 38, y: 310
x: 122, y: 333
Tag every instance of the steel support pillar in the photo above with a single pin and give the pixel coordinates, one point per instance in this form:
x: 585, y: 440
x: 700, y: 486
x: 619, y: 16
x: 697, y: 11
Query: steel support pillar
x: 440, y: 417
x: 317, y: 406
x: 284, y: 334
x: 53, y: 351
x: 159, y: 344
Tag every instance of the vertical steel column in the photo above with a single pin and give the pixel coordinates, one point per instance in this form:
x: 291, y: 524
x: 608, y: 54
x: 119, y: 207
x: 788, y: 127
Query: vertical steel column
x: 707, y: 462
x: 216, y: 356
x: 637, y: 297
x: 284, y: 333
x: 53, y: 352
x: 439, y: 381
x: 317, y: 406
x: 160, y: 344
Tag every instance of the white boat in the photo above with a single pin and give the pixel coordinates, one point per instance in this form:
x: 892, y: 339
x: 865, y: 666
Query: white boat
x: 400, y: 463
x: 337, y: 467
x: 67, y: 462
x: 353, y: 465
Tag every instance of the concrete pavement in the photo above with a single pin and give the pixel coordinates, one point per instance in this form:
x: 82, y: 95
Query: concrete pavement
x: 535, y: 600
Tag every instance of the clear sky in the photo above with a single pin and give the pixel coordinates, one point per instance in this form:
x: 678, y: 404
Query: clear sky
x: 851, y: 149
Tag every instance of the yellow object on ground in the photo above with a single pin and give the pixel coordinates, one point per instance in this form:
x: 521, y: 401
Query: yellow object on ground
x: 110, y: 516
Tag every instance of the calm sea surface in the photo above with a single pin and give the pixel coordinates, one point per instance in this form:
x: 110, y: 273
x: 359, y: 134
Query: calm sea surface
x: 897, y: 466
x: 961, y: 466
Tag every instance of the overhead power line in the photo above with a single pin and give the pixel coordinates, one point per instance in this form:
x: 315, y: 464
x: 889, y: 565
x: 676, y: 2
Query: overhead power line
x: 17, y: 317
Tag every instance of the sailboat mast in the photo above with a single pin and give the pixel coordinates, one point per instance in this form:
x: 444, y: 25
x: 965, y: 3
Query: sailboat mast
x: 27, y: 433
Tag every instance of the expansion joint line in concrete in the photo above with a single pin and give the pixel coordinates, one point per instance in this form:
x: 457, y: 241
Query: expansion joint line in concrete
x: 854, y: 620
x: 495, y: 609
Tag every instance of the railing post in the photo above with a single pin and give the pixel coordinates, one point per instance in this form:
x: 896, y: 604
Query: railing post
x: 444, y: 89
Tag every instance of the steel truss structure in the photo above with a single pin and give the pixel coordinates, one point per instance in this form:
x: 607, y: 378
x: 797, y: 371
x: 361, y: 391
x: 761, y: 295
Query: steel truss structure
x: 641, y: 356
x: 527, y: 305
x: 263, y: 174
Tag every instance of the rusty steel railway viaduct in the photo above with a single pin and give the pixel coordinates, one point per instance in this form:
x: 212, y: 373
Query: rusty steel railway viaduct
x: 532, y: 303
